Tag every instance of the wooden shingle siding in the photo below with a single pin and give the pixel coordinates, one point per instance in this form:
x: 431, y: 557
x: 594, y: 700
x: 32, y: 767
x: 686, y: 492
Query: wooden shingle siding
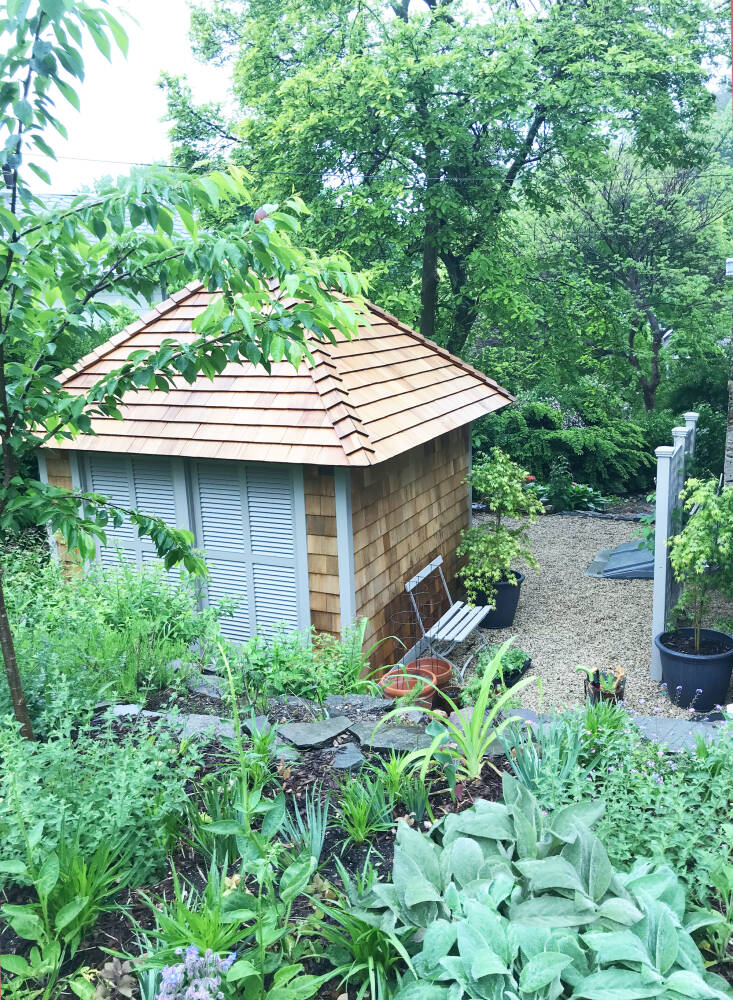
x: 323, y: 570
x: 405, y: 512
x: 58, y: 470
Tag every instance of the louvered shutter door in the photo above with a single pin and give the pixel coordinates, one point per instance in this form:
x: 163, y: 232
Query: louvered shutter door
x: 271, y: 503
x: 246, y: 524
x: 145, y: 484
x: 223, y: 533
x: 110, y: 476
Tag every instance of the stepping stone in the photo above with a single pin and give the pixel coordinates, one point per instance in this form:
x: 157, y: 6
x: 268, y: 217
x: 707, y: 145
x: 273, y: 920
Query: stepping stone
x: 314, y: 735
x: 204, y: 725
x: 125, y: 711
x: 210, y: 686
x: 195, y: 725
x: 677, y: 734
x: 361, y: 703
x: 390, y: 737
x: 260, y: 723
x: 348, y: 758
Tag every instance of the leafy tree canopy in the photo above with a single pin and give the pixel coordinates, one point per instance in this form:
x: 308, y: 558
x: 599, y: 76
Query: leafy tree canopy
x: 414, y: 129
x: 57, y: 264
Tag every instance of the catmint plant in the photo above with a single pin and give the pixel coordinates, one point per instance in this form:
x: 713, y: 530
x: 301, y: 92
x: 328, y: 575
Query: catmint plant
x: 197, y: 977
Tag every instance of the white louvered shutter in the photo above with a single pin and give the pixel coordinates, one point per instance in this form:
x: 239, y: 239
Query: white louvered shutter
x: 145, y: 484
x: 271, y: 504
x: 246, y: 524
x: 223, y: 533
x: 110, y: 476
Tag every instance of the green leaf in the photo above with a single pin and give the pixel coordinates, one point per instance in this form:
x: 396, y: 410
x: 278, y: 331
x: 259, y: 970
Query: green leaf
x: 70, y: 912
x: 551, y: 873
x: 48, y: 876
x: 542, y: 969
x: 242, y: 969
x: 615, y: 984
x: 24, y: 922
x: 13, y: 866
x: 295, y: 878
x: 617, y: 946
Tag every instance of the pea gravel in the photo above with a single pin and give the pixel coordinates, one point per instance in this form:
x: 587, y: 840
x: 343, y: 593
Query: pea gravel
x: 566, y: 618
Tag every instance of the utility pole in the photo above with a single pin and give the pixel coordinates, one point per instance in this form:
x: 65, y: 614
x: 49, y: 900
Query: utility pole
x: 728, y: 466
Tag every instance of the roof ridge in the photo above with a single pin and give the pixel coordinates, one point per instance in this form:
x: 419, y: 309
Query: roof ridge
x: 340, y: 410
x: 130, y: 330
x: 440, y: 350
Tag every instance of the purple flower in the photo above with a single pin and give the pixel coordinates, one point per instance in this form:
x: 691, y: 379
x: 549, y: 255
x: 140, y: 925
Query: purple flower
x: 698, y: 690
x: 678, y: 688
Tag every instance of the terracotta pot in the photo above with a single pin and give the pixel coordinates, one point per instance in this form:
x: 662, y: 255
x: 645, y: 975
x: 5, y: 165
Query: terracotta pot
x: 395, y: 685
x: 442, y: 669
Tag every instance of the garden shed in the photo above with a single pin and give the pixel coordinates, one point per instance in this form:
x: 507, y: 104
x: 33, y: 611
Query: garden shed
x: 315, y: 493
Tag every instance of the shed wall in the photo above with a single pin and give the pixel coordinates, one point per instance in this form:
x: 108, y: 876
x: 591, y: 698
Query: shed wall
x: 406, y: 512
x: 58, y: 470
x: 323, y: 569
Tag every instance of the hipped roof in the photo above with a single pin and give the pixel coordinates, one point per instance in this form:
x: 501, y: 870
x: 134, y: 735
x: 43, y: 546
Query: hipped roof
x: 364, y: 401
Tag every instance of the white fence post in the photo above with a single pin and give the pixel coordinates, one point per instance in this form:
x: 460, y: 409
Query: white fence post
x: 661, y: 563
x: 691, y: 419
x: 670, y: 480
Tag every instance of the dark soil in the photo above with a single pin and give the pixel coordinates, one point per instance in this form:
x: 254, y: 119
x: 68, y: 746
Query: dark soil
x: 686, y: 644
x: 635, y: 503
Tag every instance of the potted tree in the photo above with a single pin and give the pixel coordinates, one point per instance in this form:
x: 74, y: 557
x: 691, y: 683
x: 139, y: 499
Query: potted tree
x: 491, y: 548
x: 697, y: 661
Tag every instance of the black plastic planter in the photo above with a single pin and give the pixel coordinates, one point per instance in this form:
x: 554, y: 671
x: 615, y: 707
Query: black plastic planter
x: 709, y: 674
x: 507, y: 599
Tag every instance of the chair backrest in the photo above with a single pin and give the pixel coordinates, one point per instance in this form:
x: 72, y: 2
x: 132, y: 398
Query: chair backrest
x: 419, y: 577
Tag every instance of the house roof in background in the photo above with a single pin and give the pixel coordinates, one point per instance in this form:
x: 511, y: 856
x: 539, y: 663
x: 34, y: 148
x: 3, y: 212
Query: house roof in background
x: 364, y: 400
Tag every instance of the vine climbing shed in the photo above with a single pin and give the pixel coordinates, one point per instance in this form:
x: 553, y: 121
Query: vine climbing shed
x: 314, y: 493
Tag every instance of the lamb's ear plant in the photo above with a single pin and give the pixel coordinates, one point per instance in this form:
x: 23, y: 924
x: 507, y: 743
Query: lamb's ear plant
x: 464, y: 744
x: 503, y: 900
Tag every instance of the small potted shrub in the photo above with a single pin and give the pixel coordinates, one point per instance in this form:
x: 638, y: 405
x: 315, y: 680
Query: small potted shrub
x: 490, y: 549
x: 603, y: 685
x: 697, y: 661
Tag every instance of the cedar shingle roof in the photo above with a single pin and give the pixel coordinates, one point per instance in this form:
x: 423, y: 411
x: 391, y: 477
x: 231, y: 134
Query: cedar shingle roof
x: 363, y: 402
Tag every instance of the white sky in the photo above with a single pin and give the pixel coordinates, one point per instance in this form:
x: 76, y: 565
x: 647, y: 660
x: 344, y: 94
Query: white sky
x: 121, y: 107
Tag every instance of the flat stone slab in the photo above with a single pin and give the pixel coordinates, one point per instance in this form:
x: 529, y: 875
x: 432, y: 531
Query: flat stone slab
x: 210, y: 686
x: 314, y: 735
x: 260, y: 724
x: 195, y: 725
x: 348, y: 758
x: 360, y: 703
x: 202, y: 725
x: 125, y: 711
x: 390, y: 737
x: 677, y: 734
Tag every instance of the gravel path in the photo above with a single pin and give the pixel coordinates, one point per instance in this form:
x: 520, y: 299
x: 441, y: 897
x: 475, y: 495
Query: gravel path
x: 566, y: 618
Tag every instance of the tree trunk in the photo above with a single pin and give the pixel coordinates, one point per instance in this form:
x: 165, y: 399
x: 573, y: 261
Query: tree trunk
x: 429, y: 276
x: 15, y: 684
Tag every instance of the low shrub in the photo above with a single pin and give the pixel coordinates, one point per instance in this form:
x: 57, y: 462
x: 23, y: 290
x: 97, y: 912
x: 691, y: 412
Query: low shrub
x: 103, y: 634
x: 123, y: 790
x: 503, y: 900
x: 605, y: 450
x: 661, y: 805
x: 304, y: 664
